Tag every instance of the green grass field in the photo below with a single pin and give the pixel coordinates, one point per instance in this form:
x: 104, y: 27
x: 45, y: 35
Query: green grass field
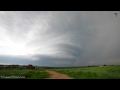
x: 23, y: 74
x: 105, y: 72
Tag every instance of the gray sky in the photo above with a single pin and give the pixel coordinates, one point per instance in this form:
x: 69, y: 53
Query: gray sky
x: 59, y: 38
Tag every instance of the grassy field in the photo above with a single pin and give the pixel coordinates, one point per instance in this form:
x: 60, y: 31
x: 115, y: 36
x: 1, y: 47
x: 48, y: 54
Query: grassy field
x: 23, y: 74
x: 105, y: 72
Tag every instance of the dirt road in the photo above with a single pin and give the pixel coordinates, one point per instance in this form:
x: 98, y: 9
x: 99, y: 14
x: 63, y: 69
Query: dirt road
x: 56, y: 75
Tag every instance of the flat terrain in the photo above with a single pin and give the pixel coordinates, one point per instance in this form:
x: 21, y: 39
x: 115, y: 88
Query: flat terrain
x: 97, y: 72
x: 56, y: 75
x: 17, y: 73
x: 94, y: 72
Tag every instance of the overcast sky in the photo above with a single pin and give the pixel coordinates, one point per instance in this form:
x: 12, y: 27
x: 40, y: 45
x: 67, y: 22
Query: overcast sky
x: 60, y: 38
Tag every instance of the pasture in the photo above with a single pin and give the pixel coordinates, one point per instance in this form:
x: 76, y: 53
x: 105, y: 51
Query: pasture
x: 104, y: 72
x: 95, y: 72
x: 18, y: 73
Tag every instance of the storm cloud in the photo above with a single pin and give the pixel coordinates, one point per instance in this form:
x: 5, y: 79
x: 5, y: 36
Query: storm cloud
x: 60, y: 38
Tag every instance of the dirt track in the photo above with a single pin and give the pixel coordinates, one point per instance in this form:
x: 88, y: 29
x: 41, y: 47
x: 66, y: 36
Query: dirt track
x: 56, y: 75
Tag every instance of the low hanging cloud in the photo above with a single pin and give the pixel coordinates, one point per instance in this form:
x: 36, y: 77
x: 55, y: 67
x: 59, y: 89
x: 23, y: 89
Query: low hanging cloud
x: 60, y: 38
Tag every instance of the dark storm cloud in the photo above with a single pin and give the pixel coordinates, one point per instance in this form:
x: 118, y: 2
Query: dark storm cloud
x: 49, y: 60
x: 14, y: 60
x: 70, y: 49
x: 63, y: 38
